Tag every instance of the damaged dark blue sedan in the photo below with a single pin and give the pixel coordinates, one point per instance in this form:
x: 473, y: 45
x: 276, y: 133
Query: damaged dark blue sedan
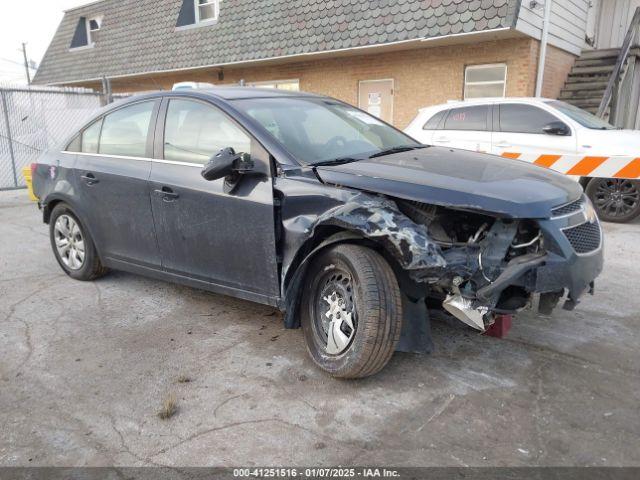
x: 305, y: 203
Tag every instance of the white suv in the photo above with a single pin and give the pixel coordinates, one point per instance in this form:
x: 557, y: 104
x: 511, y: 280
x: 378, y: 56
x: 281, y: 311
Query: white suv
x: 549, y: 133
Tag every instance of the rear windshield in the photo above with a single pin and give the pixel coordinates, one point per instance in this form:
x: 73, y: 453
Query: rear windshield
x: 583, y: 117
x: 316, y: 129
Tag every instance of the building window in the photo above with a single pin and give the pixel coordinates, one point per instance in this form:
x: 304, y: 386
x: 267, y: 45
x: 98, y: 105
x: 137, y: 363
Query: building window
x: 93, y: 26
x: 482, y: 81
x: 207, y: 10
x: 292, y: 85
x: 84, y: 35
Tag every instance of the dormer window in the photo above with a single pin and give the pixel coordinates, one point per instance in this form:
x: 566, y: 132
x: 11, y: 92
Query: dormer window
x: 207, y: 10
x: 94, y: 24
x: 198, y: 13
x: 86, y: 32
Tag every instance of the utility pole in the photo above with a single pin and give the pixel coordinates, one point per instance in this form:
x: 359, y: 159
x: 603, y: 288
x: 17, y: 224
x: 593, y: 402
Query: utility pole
x: 26, y: 63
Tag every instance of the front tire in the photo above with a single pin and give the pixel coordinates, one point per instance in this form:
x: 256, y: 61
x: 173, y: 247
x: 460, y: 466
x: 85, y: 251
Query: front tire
x: 72, y: 245
x: 615, y: 199
x: 351, y: 311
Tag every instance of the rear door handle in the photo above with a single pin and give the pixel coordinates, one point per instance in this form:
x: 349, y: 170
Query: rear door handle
x: 90, y: 178
x: 503, y: 145
x: 167, y: 194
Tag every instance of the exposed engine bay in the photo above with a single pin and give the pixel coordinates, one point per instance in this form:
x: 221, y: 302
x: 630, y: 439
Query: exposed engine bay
x: 487, y: 261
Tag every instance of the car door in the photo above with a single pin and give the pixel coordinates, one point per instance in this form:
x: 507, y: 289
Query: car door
x: 206, y: 232
x: 518, y: 129
x: 112, y: 170
x: 467, y: 128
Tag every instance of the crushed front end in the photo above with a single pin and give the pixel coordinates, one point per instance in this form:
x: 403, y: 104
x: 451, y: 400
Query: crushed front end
x: 498, y: 265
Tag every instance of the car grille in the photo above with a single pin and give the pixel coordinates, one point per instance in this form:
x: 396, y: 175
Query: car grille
x: 568, y: 209
x: 584, y: 238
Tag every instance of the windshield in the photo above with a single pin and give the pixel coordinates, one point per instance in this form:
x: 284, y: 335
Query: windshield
x: 583, y: 117
x: 316, y: 130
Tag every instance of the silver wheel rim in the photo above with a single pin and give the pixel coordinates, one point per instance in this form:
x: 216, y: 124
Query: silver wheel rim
x: 335, y: 313
x: 69, y: 242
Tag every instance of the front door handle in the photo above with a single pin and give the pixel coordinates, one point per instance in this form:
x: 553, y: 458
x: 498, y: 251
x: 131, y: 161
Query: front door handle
x: 442, y: 140
x: 90, y: 178
x: 503, y: 145
x: 167, y: 194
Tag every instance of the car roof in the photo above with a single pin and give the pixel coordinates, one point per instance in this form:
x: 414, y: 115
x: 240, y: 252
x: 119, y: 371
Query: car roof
x: 231, y: 93
x: 228, y: 93
x: 482, y: 101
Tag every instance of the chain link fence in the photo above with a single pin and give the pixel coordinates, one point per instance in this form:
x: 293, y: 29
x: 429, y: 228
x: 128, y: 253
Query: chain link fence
x: 33, y: 120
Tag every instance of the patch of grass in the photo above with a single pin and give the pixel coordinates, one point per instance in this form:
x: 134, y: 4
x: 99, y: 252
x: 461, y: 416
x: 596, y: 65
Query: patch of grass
x: 169, y: 407
x: 184, y: 379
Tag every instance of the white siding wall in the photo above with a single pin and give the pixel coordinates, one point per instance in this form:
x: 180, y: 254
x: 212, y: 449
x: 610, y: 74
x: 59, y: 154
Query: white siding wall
x: 615, y: 18
x: 568, y: 22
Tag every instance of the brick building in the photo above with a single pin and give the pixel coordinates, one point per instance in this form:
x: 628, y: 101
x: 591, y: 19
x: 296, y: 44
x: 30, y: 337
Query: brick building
x: 390, y: 57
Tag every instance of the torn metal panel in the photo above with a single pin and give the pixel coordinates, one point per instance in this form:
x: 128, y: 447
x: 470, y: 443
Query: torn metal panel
x: 379, y: 219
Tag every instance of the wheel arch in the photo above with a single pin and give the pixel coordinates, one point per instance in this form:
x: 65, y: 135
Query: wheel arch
x: 584, y: 181
x: 325, y: 237
x: 55, y: 199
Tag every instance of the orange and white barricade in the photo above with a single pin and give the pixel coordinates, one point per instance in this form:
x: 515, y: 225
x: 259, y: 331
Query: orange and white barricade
x: 584, y: 165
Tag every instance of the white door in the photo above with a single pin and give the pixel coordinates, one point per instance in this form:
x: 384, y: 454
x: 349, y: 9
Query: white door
x: 376, y: 97
x: 519, y: 130
x: 466, y: 128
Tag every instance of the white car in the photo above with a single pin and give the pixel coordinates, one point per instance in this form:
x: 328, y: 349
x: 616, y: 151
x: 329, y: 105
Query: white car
x: 549, y: 133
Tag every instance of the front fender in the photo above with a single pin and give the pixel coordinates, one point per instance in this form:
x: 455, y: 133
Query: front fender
x: 362, y: 218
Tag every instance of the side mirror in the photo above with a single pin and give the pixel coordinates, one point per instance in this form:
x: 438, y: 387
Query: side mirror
x: 557, y: 128
x: 225, y: 163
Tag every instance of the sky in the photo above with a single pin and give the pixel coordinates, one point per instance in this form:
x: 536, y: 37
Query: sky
x: 33, y: 22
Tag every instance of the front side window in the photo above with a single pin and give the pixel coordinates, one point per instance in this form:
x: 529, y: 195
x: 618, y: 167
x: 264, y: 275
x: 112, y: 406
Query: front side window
x: 195, y: 131
x: 467, y: 118
x: 125, y: 131
x: 316, y: 130
x: 90, y: 137
x: 519, y: 118
x: 207, y: 10
x: 483, y: 81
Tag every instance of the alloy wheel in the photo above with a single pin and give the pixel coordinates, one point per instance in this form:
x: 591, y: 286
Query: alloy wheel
x: 69, y: 242
x: 616, y: 197
x: 334, y: 312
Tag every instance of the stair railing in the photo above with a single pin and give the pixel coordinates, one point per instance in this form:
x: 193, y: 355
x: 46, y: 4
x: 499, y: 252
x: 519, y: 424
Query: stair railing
x: 614, y: 80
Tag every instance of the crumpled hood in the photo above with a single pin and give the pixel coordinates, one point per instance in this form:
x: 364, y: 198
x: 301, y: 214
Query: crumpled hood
x: 461, y: 179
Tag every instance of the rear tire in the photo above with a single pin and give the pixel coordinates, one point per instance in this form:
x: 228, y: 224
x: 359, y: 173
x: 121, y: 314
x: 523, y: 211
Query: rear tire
x: 73, y: 246
x: 351, y: 311
x: 615, y: 199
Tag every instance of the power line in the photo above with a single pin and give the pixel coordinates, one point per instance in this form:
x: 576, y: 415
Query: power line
x: 16, y: 63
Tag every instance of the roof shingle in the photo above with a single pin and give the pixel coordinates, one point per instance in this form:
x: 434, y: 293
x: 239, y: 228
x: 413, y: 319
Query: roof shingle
x: 140, y: 36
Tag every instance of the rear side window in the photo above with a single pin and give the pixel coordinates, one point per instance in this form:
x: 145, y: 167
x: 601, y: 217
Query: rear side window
x: 125, y: 131
x: 90, y: 137
x: 433, y: 122
x: 467, y: 118
x: 517, y: 118
x: 195, y: 131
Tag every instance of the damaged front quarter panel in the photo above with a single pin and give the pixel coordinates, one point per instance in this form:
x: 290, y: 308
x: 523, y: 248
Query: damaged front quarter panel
x: 379, y: 219
x: 314, y: 216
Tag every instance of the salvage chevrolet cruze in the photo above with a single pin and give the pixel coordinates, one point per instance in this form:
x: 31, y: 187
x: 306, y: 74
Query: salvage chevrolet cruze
x: 305, y: 203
